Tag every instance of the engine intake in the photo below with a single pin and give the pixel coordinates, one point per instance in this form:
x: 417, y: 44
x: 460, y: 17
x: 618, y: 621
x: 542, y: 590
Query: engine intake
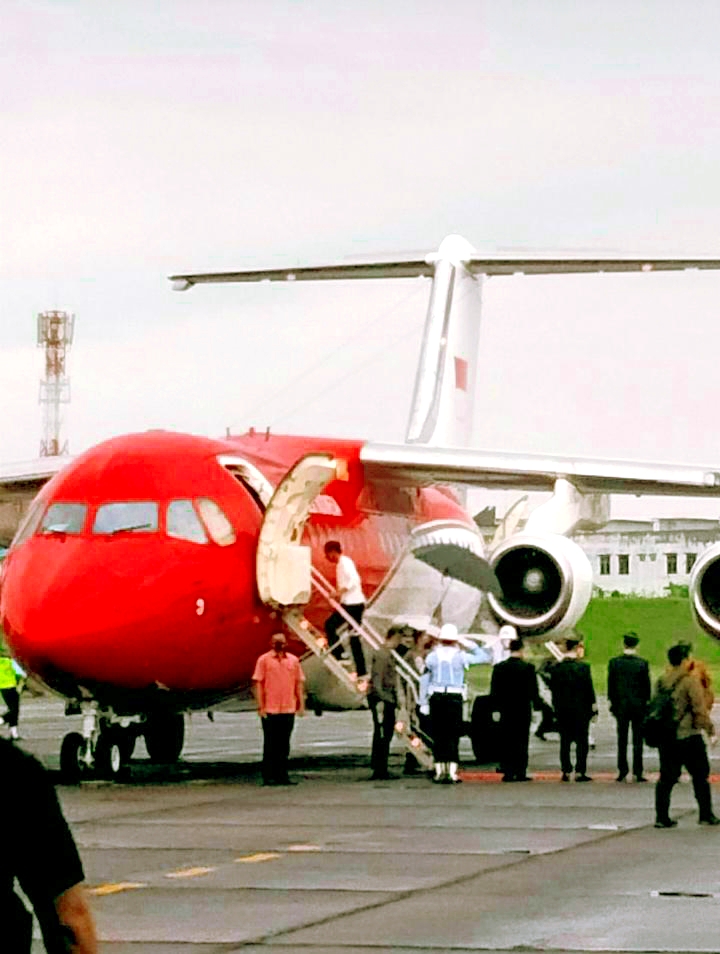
x: 546, y: 583
x: 704, y: 590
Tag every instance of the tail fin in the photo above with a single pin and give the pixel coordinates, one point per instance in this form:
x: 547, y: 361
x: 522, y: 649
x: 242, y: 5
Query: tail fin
x: 441, y: 413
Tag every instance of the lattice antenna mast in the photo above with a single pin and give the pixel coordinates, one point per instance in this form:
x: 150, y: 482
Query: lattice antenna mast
x: 55, y: 334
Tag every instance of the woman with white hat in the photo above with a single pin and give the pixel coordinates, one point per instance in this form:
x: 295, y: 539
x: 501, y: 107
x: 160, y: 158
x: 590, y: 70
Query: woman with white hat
x: 442, y: 692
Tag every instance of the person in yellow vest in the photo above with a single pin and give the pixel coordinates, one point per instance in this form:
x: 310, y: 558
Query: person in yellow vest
x: 10, y: 694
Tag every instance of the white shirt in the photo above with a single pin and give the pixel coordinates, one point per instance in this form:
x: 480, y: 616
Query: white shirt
x: 348, y: 582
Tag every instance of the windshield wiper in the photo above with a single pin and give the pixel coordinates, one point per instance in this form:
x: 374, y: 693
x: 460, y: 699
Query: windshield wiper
x: 137, y: 526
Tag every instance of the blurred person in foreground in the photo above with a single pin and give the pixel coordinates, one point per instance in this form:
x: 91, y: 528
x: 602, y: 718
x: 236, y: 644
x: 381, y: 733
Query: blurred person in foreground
x: 685, y: 745
x: 39, y: 851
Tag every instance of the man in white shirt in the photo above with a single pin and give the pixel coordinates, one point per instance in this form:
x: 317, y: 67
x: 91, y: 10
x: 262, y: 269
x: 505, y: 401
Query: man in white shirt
x: 349, y: 594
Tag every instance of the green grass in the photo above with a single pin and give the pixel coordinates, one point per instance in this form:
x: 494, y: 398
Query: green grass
x: 658, y: 622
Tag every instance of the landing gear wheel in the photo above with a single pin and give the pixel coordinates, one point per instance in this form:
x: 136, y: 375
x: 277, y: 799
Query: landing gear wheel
x: 165, y: 736
x: 110, y: 761
x: 71, y: 764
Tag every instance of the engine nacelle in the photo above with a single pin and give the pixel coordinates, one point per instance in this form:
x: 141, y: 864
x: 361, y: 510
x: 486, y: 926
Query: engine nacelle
x: 704, y: 590
x: 546, y: 582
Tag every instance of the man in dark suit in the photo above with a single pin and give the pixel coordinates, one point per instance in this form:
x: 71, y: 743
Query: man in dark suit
x: 575, y: 705
x: 513, y: 692
x: 628, y: 689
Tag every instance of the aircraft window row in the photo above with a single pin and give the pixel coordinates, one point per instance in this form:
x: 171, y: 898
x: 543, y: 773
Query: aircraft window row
x: 128, y: 517
x: 197, y: 521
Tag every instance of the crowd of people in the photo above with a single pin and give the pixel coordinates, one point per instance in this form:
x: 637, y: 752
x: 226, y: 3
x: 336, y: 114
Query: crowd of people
x: 561, y: 689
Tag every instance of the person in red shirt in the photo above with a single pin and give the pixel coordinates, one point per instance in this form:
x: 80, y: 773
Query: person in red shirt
x: 279, y: 687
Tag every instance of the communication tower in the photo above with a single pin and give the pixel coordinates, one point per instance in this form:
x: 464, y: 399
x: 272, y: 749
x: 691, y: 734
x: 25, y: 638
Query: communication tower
x: 54, y: 334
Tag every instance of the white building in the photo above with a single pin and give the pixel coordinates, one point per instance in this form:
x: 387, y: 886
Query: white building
x: 646, y: 556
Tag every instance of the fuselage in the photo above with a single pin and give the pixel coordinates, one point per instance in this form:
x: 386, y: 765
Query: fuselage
x: 133, y: 575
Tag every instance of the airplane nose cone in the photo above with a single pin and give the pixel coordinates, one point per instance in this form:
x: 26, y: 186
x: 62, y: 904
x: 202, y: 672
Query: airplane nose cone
x: 65, y: 612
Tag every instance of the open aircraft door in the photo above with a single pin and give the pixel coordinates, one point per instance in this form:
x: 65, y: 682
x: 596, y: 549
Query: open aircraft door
x: 283, y: 564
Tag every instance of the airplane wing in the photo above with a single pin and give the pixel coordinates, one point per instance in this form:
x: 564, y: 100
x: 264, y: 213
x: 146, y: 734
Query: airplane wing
x: 526, y: 472
x: 415, y: 267
x: 29, y: 474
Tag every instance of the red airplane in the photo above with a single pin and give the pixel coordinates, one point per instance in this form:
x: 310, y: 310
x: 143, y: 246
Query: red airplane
x: 150, y: 571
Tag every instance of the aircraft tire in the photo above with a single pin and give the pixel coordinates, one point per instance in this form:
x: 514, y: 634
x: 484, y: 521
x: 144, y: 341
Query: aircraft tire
x: 71, y: 768
x: 110, y: 759
x: 165, y: 737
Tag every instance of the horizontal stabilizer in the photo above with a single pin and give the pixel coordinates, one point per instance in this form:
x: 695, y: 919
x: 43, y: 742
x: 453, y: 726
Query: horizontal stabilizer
x: 424, y: 266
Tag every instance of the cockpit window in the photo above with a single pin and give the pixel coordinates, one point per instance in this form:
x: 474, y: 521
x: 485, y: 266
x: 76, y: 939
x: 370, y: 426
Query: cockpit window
x: 131, y: 517
x: 216, y: 523
x: 64, y: 518
x: 183, y: 523
x: 30, y: 523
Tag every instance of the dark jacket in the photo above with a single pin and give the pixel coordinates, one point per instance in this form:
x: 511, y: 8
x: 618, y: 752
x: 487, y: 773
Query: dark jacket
x: 572, y: 690
x: 513, y: 689
x: 38, y: 851
x: 383, y: 677
x: 628, y: 685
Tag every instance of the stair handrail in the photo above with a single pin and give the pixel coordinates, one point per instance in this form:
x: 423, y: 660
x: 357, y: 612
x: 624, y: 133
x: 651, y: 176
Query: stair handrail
x: 408, y: 673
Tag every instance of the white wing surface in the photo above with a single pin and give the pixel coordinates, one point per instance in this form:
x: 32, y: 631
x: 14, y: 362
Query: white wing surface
x: 30, y: 473
x: 526, y: 472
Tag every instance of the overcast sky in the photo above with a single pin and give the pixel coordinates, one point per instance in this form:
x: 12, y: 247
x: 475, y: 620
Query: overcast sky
x: 144, y: 138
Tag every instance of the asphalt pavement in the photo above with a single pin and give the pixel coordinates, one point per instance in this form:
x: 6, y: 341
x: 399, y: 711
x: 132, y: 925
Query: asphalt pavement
x: 199, y: 858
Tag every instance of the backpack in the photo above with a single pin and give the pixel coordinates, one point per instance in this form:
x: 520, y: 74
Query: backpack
x: 660, y: 723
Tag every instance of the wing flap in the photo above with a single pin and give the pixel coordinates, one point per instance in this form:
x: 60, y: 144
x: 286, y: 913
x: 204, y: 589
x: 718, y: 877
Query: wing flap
x: 526, y: 472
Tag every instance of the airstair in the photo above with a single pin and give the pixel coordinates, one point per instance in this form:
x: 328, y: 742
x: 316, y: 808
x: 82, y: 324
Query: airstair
x: 408, y: 687
x: 286, y: 580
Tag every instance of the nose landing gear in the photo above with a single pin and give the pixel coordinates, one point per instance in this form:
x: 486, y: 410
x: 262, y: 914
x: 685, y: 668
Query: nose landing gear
x: 103, y: 750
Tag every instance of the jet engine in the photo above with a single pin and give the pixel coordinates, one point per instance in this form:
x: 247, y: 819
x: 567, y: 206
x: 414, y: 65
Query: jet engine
x: 546, y: 581
x: 705, y: 591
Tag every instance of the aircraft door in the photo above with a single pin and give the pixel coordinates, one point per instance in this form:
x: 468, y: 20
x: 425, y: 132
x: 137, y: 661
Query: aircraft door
x: 283, y: 565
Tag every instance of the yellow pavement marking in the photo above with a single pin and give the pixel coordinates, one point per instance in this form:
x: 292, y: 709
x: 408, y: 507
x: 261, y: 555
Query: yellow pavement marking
x: 115, y: 888
x: 189, y: 872
x: 304, y: 848
x: 258, y: 856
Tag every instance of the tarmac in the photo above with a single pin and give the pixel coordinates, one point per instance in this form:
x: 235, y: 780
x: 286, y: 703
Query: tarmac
x: 199, y: 858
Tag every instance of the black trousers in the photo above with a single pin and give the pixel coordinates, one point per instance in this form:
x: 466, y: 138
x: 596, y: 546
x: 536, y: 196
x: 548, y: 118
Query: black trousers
x: 446, y: 718
x: 573, y: 730
x: 383, y: 715
x: 277, y: 730
x: 692, y: 754
x: 11, y: 698
x: 548, y: 722
x: 514, y: 739
x: 333, y: 624
x: 625, y: 722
